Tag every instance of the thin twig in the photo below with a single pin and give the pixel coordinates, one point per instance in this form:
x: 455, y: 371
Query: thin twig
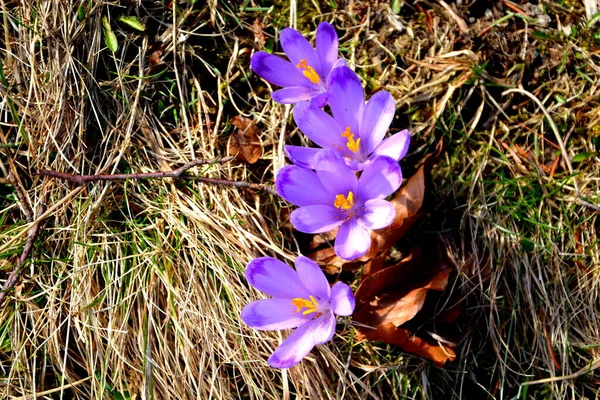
x: 14, y: 276
x: 25, y: 207
x: 178, y: 173
x: 594, y: 364
x: 240, y: 184
x: 53, y: 390
x: 561, y: 144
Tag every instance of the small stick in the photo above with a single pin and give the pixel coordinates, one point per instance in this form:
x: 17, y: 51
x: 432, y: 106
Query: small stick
x: 22, y: 198
x: 14, y: 276
x: 594, y: 364
x: 54, y: 390
x: 178, y: 173
x: 240, y: 184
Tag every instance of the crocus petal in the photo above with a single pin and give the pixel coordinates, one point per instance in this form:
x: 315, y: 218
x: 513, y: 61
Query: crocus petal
x: 313, y: 278
x: 294, y: 348
x: 291, y: 95
x: 277, y: 70
x: 378, y: 115
x: 342, y: 299
x: 339, y: 63
x: 327, y: 46
x: 325, y: 328
x: 302, y: 156
x: 301, y: 186
x: 396, y: 146
x: 346, y: 97
x: 300, y: 342
x: 317, y: 219
x: 379, y: 179
x: 319, y: 126
x: 334, y: 174
x: 275, y: 278
x: 376, y: 214
x: 352, y: 240
x: 320, y: 100
x: 354, y: 165
x: 297, y: 48
x: 273, y: 314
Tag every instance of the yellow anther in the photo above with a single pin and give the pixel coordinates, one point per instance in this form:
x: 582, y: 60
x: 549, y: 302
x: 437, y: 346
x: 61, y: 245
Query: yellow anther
x: 310, y: 305
x: 352, y: 145
x: 344, y: 202
x: 308, y: 71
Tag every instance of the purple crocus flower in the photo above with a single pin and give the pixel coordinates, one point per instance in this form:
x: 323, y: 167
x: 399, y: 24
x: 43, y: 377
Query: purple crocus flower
x: 356, y: 130
x: 333, y: 196
x: 305, y: 76
x: 302, y: 299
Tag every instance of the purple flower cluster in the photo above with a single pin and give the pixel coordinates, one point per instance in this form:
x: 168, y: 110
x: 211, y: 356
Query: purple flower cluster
x: 323, y: 181
x: 341, y: 184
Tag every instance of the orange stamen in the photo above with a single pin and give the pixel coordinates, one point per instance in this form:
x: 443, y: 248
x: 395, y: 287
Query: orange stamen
x: 308, y: 71
x: 353, y: 145
x: 344, y: 202
x: 310, y: 305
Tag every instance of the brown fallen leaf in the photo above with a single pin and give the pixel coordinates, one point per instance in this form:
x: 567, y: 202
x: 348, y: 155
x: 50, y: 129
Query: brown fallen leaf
x: 396, y: 294
x: 244, y: 143
x: 388, y: 297
x: 403, y: 338
x: 374, y: 265
x: 397, y: 308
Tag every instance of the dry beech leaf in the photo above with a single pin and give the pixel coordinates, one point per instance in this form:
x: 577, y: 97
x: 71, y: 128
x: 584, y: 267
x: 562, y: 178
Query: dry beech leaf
x: 244, y: 143
x: 403, y: 338
x: 324, y: 256
x: 409, y: 271
x: 388, y: 297
x: 397, y: 307
x: 396, y: 293
x: 374, y: 265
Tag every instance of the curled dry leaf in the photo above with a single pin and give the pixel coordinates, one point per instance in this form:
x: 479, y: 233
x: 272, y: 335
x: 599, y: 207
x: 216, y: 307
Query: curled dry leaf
x: 390, y: 296
x: 395, y: 294
x: 244, y: 143
x: 439, y: 353
x: 401, y: 306
x: 374, y: 265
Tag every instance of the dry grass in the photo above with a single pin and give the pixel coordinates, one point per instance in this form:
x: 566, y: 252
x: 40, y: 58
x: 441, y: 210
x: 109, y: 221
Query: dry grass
x: 135, y: 287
